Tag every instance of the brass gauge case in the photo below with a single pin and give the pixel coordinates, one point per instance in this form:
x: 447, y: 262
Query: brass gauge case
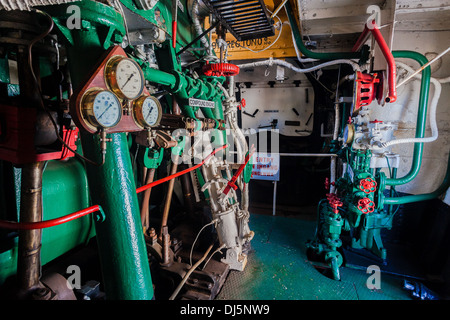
x: 110, y: 76
x: 87, y: 109
x: 138, y: 115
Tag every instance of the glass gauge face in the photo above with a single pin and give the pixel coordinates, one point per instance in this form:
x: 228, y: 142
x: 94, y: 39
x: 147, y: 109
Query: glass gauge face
x: 125, y: 78
x: 150, y: 111
x: 147, y: 111
x: 106, y: 109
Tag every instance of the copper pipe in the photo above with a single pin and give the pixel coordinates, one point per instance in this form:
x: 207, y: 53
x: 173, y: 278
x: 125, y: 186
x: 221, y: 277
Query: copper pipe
x: 188, y: 193
x: 149, y: 176
x: 28, y: 260
x: 165, y: 216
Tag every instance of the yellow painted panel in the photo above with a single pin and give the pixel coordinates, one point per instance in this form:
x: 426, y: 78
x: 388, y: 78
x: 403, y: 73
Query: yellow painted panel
x: 265, y: 47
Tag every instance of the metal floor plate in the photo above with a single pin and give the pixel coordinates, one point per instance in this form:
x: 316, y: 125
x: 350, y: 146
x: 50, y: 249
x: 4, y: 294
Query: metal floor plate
x: 278, y: 269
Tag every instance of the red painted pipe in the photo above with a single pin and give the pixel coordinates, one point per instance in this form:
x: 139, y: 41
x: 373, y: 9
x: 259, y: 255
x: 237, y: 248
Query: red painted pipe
x: 392, y: 74
x: 173, y: 176
x: 362, y: 38
x: 174, y: 34
x: 49, y: 223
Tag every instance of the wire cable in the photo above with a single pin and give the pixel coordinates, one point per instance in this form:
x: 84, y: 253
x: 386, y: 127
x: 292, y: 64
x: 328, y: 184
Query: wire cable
x: 177, y: 290
x: 196, y: 238
x: 217, y: 250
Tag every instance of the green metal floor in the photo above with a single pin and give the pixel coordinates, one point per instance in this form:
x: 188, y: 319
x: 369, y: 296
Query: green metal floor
x: 278, y: 269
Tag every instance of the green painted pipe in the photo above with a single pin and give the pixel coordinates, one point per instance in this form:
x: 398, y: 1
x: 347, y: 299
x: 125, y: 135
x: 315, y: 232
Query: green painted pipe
x: 422, y: 197
x: 311, y: 54
x: 123, y: 253
x: 421, y: 117
x: 120, y: 238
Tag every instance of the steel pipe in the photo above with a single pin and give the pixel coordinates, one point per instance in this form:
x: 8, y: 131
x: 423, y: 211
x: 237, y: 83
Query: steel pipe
x: 28, y: 260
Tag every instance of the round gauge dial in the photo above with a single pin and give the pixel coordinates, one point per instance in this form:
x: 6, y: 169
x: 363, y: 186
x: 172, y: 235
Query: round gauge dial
x: 349, y: 133
x: 124, y: 77
x: 102, y: 108
x: 147, y: 111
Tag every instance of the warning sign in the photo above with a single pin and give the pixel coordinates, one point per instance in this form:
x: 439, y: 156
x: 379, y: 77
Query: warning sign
x: 266, y: 166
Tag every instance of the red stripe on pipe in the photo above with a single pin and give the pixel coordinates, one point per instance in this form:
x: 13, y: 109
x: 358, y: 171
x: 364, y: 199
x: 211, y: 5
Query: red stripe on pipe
x: 173, y: 176
x: 48, y: 223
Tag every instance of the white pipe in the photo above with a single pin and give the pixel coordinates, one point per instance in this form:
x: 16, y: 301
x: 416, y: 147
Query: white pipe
x: 302, y: 154
x: 308, y: 154
x: 433, y: 108
x: 444, y: 80
x: 285, y: 64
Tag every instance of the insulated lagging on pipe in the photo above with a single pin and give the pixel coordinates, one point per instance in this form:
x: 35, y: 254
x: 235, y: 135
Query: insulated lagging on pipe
x: 285, y: 64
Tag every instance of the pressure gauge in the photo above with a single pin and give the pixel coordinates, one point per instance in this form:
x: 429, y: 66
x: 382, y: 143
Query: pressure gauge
x: 147, y: 111
x: 101, y: 108
x: 349, y: 133
x: 124, y: 77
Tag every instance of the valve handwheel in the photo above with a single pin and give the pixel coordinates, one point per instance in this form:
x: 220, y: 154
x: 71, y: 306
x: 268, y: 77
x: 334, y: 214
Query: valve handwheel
x: 220, y: 69
x: 367, y: 185
x: 366, y: 205
x: 334, y: 202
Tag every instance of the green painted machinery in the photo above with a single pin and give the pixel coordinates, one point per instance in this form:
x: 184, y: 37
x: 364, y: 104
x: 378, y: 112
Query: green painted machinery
x: 84, y: 31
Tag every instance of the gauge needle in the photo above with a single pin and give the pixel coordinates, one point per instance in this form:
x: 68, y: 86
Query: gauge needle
x: 105, y: 110
x: 129, y: 78
x: 149, y: 111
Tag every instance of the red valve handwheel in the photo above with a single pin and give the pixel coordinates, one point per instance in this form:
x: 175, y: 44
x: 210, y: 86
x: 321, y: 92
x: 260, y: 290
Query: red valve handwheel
x: 334, y: 202
x: 367, y: 185
x: 242, y: 104
x: 366, y: 205
x: 220, y: 69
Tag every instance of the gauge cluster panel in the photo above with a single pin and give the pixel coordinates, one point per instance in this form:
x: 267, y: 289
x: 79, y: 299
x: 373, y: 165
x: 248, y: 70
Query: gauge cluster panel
x: 114, y: 98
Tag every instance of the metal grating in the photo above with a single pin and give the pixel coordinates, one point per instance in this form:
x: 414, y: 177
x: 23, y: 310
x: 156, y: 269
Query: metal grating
x: 244, y: 19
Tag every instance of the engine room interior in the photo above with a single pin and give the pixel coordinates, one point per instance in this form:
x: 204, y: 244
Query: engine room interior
x: 224, y: 150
